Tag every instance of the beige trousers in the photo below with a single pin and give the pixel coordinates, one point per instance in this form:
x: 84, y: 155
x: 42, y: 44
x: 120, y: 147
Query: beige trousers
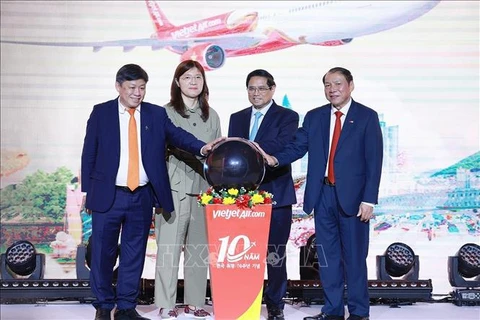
x: 182, y: 229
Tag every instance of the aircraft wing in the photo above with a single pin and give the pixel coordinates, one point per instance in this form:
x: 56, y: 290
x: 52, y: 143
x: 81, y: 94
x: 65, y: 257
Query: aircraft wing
x: 228, y: 42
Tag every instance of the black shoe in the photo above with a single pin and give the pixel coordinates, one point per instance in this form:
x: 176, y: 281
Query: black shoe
x: 275, y: 314
x: 355, y: 317
x: 103, y: 314
x: 323, y: 316
x: 128, y: 314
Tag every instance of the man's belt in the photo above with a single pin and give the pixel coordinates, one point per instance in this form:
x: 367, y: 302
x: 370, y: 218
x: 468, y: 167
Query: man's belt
x: 127, y: 189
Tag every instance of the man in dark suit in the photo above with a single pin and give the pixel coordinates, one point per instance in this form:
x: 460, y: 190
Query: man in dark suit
x: 342, y: 192
x: 273, y: 128
x: 116, y: 203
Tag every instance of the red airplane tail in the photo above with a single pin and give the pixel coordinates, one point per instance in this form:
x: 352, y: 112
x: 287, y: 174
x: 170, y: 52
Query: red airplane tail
x: 160, y: 21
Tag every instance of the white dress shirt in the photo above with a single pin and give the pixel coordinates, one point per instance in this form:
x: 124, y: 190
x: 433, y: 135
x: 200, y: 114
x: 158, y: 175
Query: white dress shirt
x: 124, y: 118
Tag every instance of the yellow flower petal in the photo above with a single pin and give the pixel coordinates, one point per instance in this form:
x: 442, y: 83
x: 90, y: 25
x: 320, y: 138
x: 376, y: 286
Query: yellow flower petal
x: 228, y: 200
x: 206, y: 199
x: 233, y: 192
x: 256, y: 198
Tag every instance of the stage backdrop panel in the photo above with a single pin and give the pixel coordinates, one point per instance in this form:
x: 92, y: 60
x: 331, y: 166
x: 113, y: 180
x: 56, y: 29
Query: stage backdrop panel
x: 422, y: 77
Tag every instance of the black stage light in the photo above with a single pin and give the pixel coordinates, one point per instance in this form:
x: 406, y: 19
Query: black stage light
x: 465, y: 264
x: 464, y: 275
x: 398, y: 261
x: 83, y: 272
x: 469, y: 260
x: 311, y: 291
x: 22, y: 261
x: 32, y: 291
x: 309, y: 268
x: 83, y: 258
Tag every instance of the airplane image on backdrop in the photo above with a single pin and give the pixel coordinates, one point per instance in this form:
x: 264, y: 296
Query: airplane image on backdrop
x: 238, y: 33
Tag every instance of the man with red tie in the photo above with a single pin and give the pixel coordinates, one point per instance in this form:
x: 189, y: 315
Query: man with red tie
x: 345, y: 151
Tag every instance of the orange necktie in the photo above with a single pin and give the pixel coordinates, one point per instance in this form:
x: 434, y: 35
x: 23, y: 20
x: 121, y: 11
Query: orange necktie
x: 336, y: 136
x: 133, y: 170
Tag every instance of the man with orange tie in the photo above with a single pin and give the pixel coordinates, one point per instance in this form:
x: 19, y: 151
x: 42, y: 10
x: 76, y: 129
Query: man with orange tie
x: 124, y: 175
x: 345, y: 151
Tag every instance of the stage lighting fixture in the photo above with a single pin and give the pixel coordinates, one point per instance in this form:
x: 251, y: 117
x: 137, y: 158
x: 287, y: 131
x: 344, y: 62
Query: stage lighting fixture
x: 469, y: 260
x: 21, y: 260
x: 83, y: 258
x: 464, y: 274
x: 311, y: 291
x: 33, y: 291
x: 83, y: 272
x: 309, y: 260
x: 398, y: 261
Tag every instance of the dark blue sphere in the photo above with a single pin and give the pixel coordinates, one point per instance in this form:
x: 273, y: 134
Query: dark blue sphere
x: 234, y: 163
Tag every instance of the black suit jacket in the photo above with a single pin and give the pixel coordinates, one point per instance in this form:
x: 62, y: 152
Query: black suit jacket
x: 358, y: 158
x: 101, y: 153
x: 276, y: 130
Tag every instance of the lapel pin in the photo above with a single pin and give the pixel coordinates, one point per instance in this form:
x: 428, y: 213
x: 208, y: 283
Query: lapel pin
x: 146, y: 127
x: 351, y: 121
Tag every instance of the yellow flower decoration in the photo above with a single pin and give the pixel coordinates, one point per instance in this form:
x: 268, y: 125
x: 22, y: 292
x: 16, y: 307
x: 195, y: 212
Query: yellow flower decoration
x: 241, y: 197
x: 256, y: 199
x: 228, y: 200
x: 206, y: 199
x: 233, y: 192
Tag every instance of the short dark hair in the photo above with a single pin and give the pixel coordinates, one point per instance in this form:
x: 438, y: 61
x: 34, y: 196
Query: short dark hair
x: 346, y: 73
x: 261, y: 73
x: 130, y: 72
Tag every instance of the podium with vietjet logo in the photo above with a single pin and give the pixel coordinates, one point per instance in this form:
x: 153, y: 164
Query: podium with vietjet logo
x: 238, y: 240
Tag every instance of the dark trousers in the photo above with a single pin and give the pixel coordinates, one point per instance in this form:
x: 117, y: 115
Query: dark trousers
x: 342, y: 247
x: 280, y: 225
x: 131, y: 214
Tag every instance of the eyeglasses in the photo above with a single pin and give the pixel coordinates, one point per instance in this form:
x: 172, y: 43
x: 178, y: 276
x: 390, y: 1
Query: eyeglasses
x: 190, y: 78
x: 260, y: 89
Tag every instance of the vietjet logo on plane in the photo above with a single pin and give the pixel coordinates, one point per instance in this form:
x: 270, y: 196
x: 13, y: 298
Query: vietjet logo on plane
x: 195, y: 28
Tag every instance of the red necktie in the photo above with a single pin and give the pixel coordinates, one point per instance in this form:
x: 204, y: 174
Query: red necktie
x: 336, y: 136
x: 133, y: 175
